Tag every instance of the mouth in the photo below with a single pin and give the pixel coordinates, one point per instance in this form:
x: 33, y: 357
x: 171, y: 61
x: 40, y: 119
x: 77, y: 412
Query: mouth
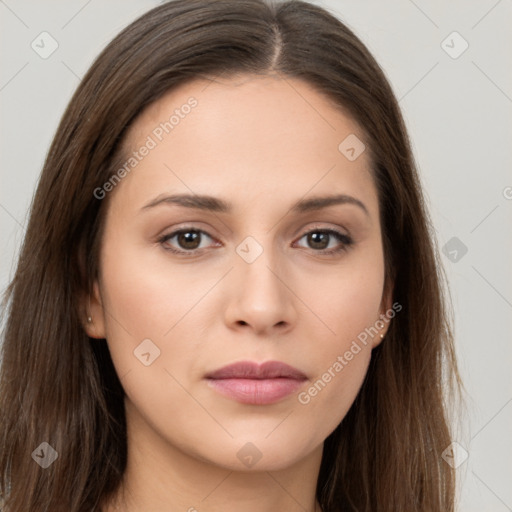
x: 248, y: 382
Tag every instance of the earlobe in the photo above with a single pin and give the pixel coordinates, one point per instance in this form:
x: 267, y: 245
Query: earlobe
x: 94, y: 321
x: 383, y: 322
x: 89, y: 317
x: 378, y: 339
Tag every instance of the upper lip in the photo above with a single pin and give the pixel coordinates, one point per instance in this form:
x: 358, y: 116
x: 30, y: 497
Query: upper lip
x: 253, y: 370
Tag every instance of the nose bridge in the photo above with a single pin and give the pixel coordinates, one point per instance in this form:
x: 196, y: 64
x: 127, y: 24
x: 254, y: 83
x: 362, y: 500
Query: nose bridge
x: 260, y: 298
x: 254, y: 267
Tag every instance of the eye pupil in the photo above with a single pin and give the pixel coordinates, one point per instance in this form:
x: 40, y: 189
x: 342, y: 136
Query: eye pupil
x: 319, y: 240
x: 189, y: 239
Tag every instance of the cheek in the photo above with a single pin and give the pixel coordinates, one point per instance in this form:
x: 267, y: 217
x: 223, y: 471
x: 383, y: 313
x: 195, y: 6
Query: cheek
x: 142, y: 301
x: 333, y: 390
x: 350, y: 309
x: 143, y: 294
x: 347, y: 300
x: 355, y: 309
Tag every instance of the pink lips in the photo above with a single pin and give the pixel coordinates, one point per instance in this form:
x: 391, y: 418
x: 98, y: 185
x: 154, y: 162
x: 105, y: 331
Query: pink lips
x: 250, y: 383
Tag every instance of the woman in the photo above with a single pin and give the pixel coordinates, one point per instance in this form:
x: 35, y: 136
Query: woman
x: 228, y: 296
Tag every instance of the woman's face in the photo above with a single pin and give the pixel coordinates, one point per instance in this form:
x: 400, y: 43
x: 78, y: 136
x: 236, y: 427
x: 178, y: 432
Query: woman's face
x: 259, y: 273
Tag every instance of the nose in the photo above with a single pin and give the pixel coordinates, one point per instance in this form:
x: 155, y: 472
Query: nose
x: 260, y: 298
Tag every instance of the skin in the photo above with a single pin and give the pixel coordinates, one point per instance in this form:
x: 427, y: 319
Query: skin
x: 261, y: 143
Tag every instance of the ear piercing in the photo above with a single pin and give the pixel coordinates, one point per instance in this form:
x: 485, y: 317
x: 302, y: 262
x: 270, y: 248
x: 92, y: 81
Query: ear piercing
x: 89, y: 318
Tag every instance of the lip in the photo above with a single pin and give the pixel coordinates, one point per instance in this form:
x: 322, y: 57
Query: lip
x: 248, y: 382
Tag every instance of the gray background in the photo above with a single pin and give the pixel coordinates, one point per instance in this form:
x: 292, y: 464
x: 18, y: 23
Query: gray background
x: 458, y: 114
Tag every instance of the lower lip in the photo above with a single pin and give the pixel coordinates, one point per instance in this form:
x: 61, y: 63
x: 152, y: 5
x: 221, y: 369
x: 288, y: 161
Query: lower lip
x: 256, y: 391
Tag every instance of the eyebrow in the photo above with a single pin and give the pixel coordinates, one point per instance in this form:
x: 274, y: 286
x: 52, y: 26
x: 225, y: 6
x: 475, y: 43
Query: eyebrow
x: 215, y: 204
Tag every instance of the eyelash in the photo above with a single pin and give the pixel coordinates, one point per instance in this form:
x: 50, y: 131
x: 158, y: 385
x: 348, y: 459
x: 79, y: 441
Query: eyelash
x: 346, y: 241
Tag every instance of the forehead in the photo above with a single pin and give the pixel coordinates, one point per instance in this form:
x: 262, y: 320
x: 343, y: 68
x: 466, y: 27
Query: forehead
x: 241, y: 105
x: 254, y: 138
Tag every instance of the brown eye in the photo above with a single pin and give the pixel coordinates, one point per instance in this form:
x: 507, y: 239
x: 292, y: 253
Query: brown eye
x: 186, y: 240
x: 320, y: 239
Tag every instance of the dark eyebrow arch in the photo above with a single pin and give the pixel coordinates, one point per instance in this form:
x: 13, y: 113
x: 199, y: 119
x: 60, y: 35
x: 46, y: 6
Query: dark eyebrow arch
x: 214, y: 204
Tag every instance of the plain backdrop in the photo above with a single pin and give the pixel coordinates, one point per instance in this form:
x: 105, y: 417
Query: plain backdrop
x: 455, y: 90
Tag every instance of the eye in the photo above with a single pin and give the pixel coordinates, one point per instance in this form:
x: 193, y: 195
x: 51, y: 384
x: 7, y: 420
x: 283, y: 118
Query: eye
x: 188, y: 240
x: 320, y: 240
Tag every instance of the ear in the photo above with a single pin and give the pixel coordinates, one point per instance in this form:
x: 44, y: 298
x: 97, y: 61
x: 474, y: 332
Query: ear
x: 382, y: 323
x: 93, y: 318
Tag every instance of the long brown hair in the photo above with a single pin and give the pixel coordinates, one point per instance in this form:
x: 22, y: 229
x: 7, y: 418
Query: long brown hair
x: 59, y: 386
